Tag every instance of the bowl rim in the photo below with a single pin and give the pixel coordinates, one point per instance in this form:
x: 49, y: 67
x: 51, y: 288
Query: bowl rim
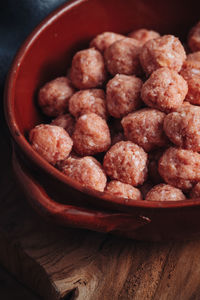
x: 25, y: 146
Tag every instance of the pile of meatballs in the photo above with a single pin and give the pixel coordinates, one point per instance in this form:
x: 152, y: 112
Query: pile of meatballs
x: 126, y: 118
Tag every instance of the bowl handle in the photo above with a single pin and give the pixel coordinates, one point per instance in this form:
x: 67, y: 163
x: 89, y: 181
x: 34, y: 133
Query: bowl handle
x: 73, y: 216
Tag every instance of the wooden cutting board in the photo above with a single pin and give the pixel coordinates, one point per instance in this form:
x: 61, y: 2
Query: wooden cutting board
x: 64, y: 263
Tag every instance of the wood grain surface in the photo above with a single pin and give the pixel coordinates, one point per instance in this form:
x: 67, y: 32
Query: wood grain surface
x: 64, y: 263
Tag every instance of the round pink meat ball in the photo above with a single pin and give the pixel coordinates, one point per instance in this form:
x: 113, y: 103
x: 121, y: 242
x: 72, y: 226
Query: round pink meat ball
x: 123, y: 190
x: 65, y: 121
x: 103, y: 40
x: 165, y: 90
x: 86, y: 170
x: 165, y: 51
x: 88, y: 101
x: 194, y: 38
x: 123, y: 57
x: 191, y: 73
x: 145, y: 128
x: 88, y: 69
x: 195, y: 192
x: 126, y: 162
x: 165, y: 192
x: 123, y: 95
x: 53, y: 143
x: 143, y: 35
x: 91, y: 135
x: 183, y: 127
x: 54, y: 96
x: 194, y: 56
x: 180, y: 168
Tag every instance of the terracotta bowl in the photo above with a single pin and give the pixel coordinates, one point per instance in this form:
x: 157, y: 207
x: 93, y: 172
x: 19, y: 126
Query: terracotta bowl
x: 46, y: 54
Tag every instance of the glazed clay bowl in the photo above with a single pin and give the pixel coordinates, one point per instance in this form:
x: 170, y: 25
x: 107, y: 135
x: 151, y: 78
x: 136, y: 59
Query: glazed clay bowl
x: 46, y: 54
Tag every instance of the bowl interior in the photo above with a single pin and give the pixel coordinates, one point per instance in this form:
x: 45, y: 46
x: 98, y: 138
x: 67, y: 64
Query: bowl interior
x: 48, y: 50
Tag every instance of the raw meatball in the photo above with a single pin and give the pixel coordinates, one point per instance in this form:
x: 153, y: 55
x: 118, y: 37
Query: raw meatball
x: 123, y: 190
x: 166, y: 51
x: 183, y: 127
x: 194, y: 38
x: 185, y: 103
x: 191, y: 73
x: 88, y: 101
x: 86, y: 170
x: 145, y: 128
x: 123, y: 57
x: 54, y: 96
x: 91, y: 135
x: 65, y: 121
x: 194, y: 56
x: 102, y: 41
x: 53, y: 143
x: 144, y: 35
x: 154, y: 157
x: 195, y: 192
x: 123, y: 95
x: 165, y: 192
x: 88, y: 69
x: 126, y: 162
x: 180, y: 168
x: 165, y: 90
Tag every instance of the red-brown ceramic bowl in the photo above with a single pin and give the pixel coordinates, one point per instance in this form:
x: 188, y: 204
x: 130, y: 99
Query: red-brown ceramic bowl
x: 46, y: 54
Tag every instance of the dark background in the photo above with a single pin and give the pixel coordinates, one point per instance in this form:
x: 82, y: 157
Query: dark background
x: 17, y: 20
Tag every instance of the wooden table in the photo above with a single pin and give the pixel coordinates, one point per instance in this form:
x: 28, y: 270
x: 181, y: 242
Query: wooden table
x: 64, y: 263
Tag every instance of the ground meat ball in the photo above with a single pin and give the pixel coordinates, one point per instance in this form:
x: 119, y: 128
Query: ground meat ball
x: 166, y: 51
x: 123, y: 190
x: 88, y: 101
x: 123, y: 95
x: 126, y: 162
x: 86, y: 170
x: 183, y: 127
x: 194, y: 38
x: 145, y: 128
x: 185, y: 103
x: 195, y: 192
x: 54, y: 96
x: 144, y: 35
x: 65, y: 121
x: 191, y: 73
x: 194, y: 56
x: 165, y: 192
x: 154, y: 157
x: 165, y: 90
x: 87, y: 70
x: 102, y: 41
x: 180, y: 168
x: 53, y: 143
x: 91, y: 135
x: 123, y: 57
